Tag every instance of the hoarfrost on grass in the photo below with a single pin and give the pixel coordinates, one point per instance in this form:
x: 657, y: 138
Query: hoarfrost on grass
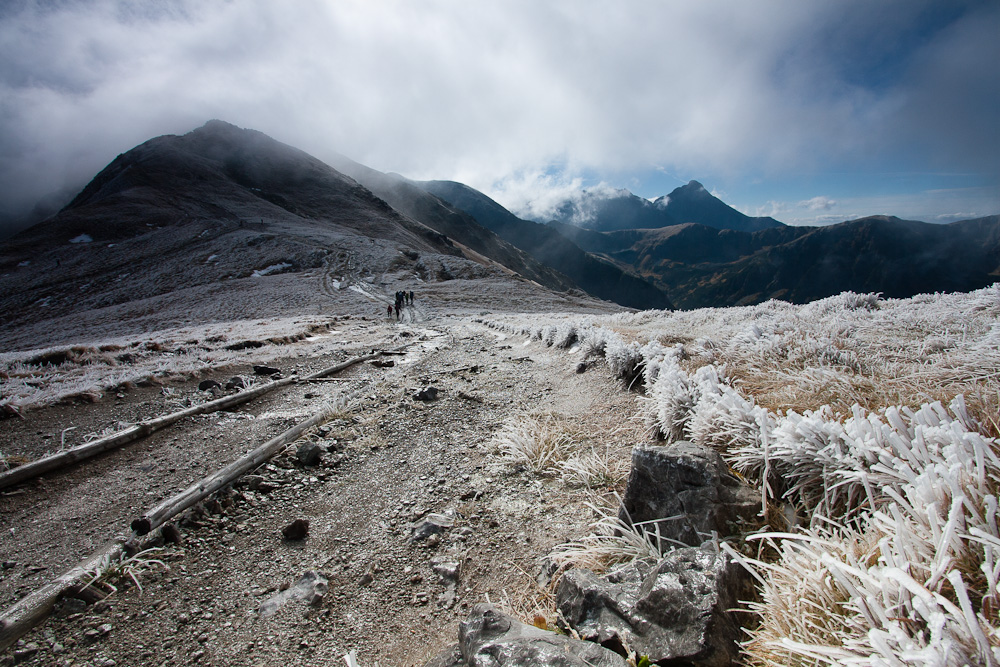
x: 872, y: 419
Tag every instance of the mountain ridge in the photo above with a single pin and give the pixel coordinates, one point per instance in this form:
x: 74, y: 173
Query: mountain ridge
x: 622, y: 210
x: 230, y: 221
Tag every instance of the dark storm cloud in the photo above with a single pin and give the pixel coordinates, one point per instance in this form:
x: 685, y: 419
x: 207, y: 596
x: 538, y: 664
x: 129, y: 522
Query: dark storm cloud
x: 512, y: 97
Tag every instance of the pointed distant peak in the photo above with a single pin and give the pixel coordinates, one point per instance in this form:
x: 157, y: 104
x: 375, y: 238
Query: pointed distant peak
x: 693, y: 189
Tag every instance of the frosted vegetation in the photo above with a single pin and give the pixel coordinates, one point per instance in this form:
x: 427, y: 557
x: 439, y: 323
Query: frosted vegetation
x: 37, y: 378
x: 869, y: 428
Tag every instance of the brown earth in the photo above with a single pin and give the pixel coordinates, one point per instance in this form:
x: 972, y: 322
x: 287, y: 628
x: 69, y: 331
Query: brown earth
x: 390, y: 461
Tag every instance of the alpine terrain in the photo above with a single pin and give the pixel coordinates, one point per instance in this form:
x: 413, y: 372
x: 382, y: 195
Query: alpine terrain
x: 256, y: 409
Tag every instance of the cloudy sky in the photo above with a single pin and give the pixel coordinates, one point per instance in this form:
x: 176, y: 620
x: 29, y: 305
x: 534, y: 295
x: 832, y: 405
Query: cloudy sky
x: 812, y: 112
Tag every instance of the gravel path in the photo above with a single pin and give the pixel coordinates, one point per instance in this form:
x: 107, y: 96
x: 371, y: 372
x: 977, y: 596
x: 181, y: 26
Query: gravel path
x: 390, y: 461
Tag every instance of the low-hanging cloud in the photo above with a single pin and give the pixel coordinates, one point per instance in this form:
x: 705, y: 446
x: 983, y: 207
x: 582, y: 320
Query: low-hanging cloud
x: 819, y: 203
x: 492, y: 93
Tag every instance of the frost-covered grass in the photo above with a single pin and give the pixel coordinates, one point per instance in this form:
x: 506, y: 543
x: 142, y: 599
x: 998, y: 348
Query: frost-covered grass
x: 558, y: 446
x: 870, y: 424
x: 36, y: 378
x: 538, y: 441
x: 612, y: 541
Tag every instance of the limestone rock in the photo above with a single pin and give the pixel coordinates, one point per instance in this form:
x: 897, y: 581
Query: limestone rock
x: 449, y: 657
x: 688, y: 491
x: 677, y: 609
x: 433, y: 524
x: 489, y: 638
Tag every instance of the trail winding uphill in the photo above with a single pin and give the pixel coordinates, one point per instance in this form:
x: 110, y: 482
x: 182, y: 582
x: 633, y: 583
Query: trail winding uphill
x: 393, y: 460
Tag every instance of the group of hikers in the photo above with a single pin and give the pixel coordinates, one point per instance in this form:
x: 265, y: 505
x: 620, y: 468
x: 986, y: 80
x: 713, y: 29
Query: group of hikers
x: 403, y: 298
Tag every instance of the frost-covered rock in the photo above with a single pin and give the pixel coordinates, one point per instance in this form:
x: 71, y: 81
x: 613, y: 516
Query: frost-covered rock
x: 681, y: 608
x: 311, y: 588
x: 685, y: 492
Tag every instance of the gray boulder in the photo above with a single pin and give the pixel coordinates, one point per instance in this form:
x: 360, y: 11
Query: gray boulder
x: 449, y: 657
x: 489, y: 638
x: 679, y: 609
x: 688, y: 492
x: 309, y: 454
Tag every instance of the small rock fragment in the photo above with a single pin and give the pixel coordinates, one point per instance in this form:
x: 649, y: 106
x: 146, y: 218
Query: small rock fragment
x: 296, y: 530
x: 309, y: 453
x: 206, y: 385
x: 433, y: 524
x: 428, y: 393
x: 236, y: 382
x: 311, y: 587
x: 25, y: 652
x: 266, y: 370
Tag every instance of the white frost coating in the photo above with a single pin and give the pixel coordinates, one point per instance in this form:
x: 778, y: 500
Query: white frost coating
x: 82, y: 238
x: 892, y: 552
x: 274, y: 268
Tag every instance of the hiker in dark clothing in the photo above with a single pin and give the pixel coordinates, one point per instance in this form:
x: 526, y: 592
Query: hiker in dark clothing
x: 388, y: 312
x: 411, y: 297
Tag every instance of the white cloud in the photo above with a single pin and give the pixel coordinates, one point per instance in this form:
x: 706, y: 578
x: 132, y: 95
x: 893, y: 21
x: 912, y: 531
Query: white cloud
x: 819, y: 203
x: 490, y: 93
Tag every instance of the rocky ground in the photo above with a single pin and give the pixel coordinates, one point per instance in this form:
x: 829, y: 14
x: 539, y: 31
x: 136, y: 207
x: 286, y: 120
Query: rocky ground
x: 413, y: 516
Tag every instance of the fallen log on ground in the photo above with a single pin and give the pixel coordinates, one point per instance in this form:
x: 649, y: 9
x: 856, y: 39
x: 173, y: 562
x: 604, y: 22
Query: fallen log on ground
x: 88, y: 450
x: 33, y: 609
x: 346, y: 364
x: 209, y: 485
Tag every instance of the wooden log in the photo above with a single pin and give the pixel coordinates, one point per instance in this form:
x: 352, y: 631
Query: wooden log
x: 33, y: 609
x: 344, y: 365
x: 220, y: 478
x: 88, y: 450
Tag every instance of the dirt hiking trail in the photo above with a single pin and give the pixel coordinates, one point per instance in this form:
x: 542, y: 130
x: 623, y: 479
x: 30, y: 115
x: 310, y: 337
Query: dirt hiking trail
x: 392, y: 463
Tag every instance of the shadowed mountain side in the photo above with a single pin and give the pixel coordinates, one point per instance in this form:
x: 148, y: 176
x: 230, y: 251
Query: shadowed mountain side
x: 688, y: 243
x: 896, y: 257
x: 595, y: 276
x: 620, y: 210
x: 693, y: 203
x: 439, y: 215
x: 703, y: 267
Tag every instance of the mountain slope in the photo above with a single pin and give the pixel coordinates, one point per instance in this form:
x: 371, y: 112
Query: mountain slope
x: 599, y: 278
x: 457, y: 210
x: 701, y: 267
x: 436, y: 214
x: 223, y: 223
